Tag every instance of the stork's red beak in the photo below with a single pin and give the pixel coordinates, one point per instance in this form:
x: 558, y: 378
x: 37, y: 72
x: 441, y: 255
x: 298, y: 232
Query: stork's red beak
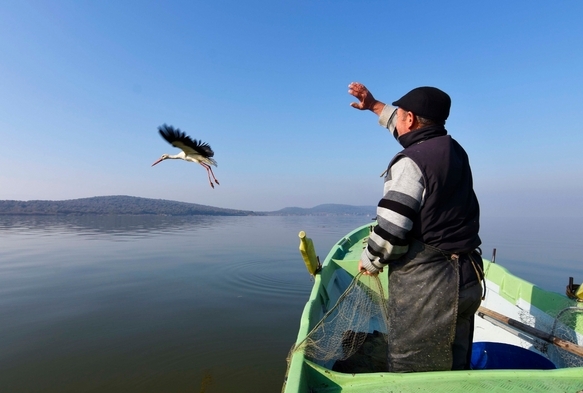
x: 160, y: 160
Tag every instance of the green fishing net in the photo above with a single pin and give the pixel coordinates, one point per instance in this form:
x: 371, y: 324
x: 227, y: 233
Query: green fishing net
x: 352, y: 335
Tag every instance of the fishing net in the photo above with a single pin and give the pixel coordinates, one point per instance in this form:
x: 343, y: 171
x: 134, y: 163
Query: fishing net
x: 352, y: 336
x: 564, y: 326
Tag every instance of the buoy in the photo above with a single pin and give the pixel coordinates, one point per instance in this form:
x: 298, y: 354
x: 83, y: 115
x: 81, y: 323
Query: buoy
x: 309, y: 254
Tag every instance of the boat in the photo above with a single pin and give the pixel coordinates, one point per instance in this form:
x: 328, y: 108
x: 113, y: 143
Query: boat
x: 525, y: 338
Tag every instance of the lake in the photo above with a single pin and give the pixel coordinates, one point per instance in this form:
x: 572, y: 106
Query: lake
x: 190, y: 304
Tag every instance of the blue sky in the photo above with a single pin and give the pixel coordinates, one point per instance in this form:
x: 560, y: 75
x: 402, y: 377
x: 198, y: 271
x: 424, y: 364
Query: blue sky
x: 85, y: 84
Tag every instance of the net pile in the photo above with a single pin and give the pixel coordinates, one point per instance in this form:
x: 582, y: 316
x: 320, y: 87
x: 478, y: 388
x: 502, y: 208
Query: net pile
x: 564, y: 328
x: 352, y: 335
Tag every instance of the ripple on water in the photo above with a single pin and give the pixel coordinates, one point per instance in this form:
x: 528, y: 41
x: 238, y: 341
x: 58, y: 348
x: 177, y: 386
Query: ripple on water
x: 257, y: 277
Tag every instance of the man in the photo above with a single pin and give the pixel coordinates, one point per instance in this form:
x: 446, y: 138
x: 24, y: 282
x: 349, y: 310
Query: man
x: 427, y: 234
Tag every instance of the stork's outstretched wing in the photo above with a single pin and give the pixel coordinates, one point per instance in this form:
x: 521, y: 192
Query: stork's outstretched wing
x: 182, y: 141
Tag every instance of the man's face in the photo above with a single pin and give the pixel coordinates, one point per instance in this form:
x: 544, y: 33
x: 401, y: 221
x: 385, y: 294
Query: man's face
x: 403, y: 121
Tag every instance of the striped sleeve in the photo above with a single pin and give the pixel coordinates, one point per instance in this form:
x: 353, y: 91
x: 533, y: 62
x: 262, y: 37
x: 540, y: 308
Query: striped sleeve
x: 387, y: 117
x: 403, y: 197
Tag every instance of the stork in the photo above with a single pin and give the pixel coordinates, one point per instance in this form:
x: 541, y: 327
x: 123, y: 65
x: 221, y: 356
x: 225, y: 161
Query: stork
x: 192, y: 150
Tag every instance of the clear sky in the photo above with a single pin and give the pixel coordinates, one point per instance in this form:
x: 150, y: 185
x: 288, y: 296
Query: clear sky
x: 85, y: 84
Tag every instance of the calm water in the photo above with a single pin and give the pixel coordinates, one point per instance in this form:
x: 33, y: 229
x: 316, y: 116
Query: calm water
x: 191, y: 304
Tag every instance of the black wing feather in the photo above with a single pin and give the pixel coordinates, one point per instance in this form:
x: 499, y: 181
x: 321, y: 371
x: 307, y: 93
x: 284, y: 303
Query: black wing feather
x: 172, y: 135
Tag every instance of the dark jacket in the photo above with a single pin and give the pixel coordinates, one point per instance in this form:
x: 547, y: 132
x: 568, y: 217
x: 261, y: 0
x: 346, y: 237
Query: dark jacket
x: 449, y: 218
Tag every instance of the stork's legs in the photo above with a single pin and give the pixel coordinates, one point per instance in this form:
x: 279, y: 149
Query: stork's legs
x: 209, y: 172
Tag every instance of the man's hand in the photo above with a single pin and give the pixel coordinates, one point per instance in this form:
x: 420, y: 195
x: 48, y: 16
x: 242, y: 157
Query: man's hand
x: 365, y: 98
x: 366, y: 272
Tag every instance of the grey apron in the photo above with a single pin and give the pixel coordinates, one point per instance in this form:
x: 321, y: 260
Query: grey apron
x: 423, y: 302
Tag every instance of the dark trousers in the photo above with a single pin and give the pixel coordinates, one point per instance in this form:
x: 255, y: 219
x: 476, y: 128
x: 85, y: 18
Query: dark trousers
x: 469, y: 302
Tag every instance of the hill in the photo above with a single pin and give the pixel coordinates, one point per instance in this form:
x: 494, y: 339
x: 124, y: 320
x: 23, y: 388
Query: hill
x: 129, y: 205
x: 327, y: 209
x: 119, y: 204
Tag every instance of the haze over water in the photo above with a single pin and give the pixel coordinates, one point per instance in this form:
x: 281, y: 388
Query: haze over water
x: 200, y: 303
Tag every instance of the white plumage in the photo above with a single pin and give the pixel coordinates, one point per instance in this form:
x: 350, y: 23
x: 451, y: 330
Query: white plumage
x: 192, y: 150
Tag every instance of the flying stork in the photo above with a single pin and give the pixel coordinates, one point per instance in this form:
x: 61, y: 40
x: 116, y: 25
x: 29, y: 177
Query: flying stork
x: 192, y: 150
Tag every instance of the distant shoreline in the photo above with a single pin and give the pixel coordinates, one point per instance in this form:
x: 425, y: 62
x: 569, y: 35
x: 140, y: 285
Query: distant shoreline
x: 137, y: 206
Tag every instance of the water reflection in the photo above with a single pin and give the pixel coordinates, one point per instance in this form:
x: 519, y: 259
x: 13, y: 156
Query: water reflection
x: 138, y: 303
x: 120, y: 227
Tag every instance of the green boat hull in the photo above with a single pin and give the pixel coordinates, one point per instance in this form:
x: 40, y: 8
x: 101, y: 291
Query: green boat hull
x: 505, y: 291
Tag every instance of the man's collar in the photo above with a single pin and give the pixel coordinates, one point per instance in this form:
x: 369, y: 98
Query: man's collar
x: 421, y: 134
